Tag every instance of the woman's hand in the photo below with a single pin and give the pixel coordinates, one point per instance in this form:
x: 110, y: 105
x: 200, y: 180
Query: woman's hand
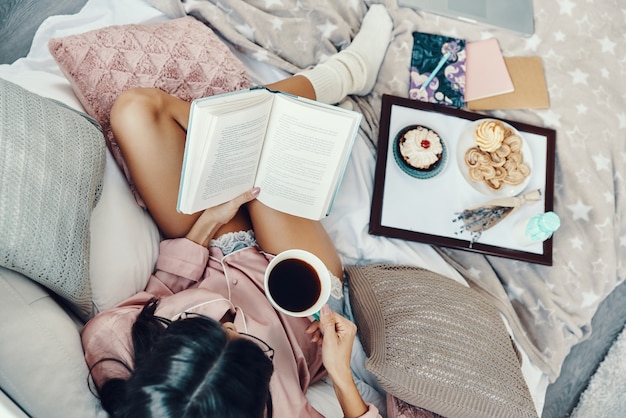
x: 338, y: 338
x: 213, y: 218
x: 338, y: 335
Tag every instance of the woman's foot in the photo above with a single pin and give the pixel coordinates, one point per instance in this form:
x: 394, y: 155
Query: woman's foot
x: 354, y: 69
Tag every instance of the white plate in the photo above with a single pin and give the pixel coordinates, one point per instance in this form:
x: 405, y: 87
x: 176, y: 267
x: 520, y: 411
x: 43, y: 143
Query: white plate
x: 466, y: 141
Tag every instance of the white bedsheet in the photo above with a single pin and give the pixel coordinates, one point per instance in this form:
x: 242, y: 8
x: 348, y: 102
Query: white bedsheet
x: 348, y: 222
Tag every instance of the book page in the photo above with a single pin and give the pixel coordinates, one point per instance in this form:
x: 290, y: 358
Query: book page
x: 304, y: 156
x: 227, y: 153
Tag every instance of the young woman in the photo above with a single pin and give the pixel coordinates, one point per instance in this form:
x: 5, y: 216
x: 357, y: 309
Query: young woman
x: 202, y: 339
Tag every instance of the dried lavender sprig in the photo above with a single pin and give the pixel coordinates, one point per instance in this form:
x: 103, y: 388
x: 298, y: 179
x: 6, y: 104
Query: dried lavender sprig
x: 478, y: 220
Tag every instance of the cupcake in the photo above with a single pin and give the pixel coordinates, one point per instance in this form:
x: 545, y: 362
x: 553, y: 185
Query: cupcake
x: 421, y: 148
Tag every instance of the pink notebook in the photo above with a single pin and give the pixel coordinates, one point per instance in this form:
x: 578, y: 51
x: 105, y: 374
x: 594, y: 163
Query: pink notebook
x: 486, y: 74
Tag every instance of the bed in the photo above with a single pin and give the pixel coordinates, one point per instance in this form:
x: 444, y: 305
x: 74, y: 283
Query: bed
x: 560, y: 316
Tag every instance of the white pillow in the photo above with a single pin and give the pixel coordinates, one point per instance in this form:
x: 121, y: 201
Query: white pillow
x: 41, y: 356
x: 124, y: 242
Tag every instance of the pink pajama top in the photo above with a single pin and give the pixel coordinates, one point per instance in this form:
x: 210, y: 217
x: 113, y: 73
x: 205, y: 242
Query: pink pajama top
x: 192, y: 278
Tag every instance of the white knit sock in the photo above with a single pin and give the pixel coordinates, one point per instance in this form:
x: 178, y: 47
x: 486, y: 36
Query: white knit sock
x: 354, y: 70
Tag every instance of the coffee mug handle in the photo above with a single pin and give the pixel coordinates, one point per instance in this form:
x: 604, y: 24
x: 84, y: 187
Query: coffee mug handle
x: 316, y: 316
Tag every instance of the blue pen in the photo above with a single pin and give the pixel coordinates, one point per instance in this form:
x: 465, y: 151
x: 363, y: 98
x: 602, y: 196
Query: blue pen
x: 432, y: 75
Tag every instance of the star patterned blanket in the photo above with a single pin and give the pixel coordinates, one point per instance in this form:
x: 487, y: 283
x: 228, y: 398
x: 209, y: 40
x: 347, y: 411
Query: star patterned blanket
x: 582, y: 48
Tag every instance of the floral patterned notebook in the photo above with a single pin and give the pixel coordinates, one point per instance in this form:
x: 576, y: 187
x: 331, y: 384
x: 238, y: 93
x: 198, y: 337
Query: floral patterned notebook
x: 445, y: 57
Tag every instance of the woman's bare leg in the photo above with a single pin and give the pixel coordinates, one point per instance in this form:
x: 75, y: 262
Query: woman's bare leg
x: 150, y: 127
x: 297, y: 85
x: 277, y: 231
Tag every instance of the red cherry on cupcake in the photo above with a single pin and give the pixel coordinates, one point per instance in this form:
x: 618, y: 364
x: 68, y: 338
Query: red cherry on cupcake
x: 425, y: 143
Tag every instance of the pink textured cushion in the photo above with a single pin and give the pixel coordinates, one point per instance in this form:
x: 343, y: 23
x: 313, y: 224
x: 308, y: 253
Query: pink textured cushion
x: 182, y: 56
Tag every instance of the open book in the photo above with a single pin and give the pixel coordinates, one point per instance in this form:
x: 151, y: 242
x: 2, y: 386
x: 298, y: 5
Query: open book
x: 294, y: 149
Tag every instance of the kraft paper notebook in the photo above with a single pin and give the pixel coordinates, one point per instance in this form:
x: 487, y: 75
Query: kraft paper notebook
x: 529, y: 82
x: 486, y: 74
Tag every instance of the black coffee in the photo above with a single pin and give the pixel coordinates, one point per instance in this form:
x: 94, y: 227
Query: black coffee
x: 294, y: 285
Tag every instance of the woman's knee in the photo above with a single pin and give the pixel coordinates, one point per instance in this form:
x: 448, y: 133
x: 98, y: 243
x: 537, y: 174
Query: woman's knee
x: 134, y: 107
x: 134, y: 111
x: 140, y: 110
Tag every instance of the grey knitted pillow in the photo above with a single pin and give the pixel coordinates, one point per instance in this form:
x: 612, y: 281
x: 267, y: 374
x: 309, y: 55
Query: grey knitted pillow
x: 437, y: 344
x: 51, y: 166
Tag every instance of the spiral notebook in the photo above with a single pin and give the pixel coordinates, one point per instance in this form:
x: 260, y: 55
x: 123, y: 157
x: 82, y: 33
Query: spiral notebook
x: 437, y: 72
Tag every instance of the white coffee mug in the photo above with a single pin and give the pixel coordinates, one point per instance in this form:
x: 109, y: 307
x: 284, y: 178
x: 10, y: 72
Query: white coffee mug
x: 297, y: 283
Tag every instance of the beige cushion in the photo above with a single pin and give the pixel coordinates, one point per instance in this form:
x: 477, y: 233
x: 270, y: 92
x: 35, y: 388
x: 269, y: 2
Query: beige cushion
x: 436, y: 344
